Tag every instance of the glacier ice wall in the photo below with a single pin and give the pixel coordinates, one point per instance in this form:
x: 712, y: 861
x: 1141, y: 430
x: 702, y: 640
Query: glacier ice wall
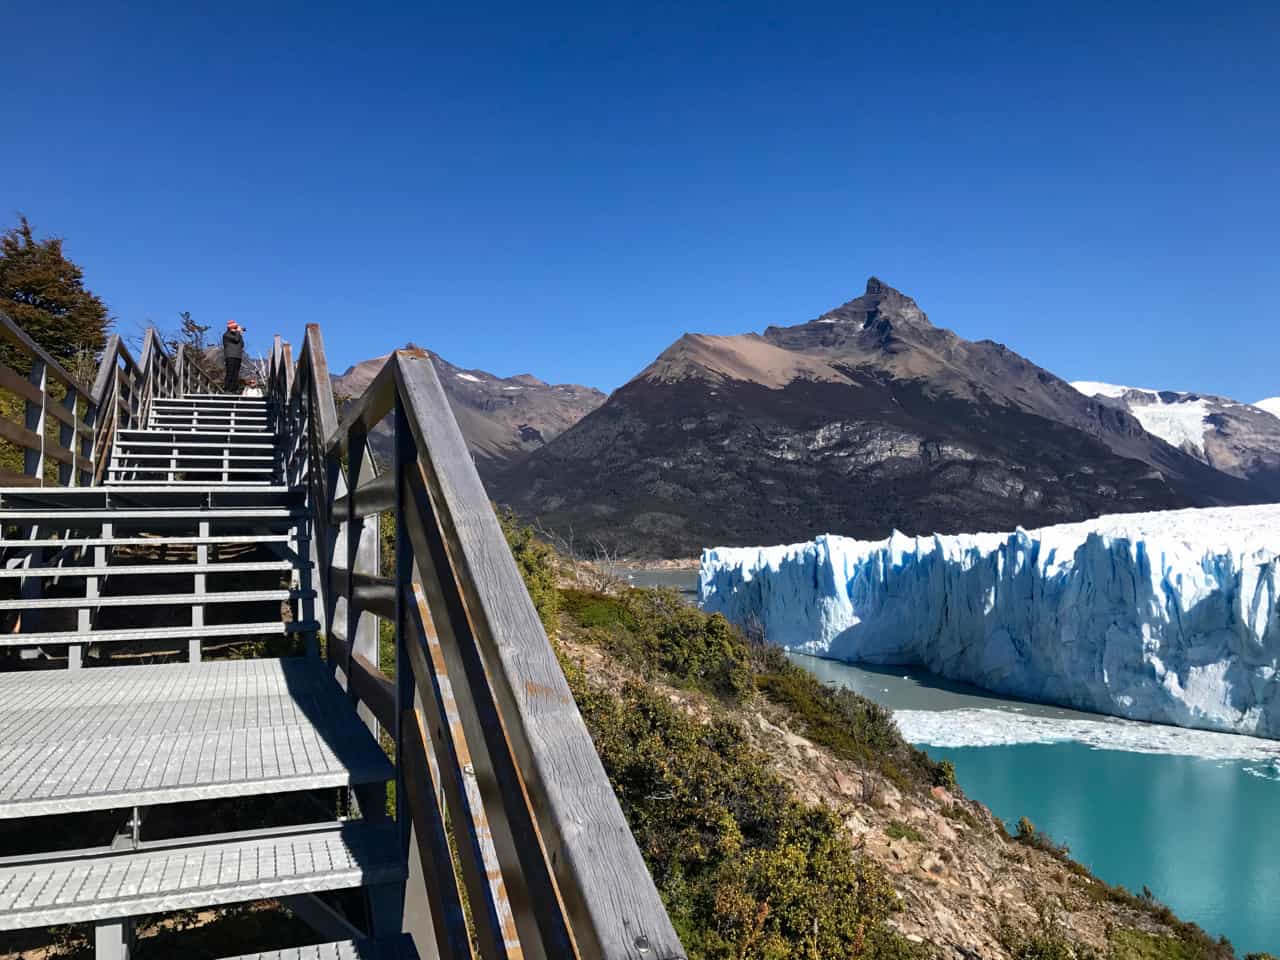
x: 1170, y: 617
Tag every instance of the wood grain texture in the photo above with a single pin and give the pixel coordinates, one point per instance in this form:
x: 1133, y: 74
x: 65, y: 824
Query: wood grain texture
x: 372, y: 497
x: 491, y: 910
x: 613, y: 905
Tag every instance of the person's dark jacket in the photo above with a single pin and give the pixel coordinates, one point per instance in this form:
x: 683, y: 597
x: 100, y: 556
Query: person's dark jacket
x: 232, y: 345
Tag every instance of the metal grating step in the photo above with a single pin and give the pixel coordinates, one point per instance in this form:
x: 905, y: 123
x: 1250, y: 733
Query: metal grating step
x: 160, y: 513
x: 134, y: 484
x: 265, y: 628
x: 148, y: 569
x: 400, y: 948
x: 108, y: 737
x: 155, y: 541
x: 170, y: 456
x: 177, y: 877
x: 155, y: 600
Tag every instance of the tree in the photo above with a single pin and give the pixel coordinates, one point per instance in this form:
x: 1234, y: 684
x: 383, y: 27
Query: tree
x: 44, y: 293
x: 192, y: 334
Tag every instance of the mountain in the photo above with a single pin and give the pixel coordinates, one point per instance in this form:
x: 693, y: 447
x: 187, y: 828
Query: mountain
x: 1241, y: 439
x: 503, y: 419
x: 865, y: 419
x: 1271, y: 405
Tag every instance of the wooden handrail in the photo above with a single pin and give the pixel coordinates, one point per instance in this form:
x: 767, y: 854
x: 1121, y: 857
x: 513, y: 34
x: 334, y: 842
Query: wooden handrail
x: 488, y: 737
x: 73, y: 450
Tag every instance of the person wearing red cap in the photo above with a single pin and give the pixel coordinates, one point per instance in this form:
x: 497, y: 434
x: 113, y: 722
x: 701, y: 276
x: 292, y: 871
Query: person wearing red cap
x: 233, y: 354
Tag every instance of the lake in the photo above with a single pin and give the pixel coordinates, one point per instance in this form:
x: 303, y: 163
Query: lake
x: 1192, y: 815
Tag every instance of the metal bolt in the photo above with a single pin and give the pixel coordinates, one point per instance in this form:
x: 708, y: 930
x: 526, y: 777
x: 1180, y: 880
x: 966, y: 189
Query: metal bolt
x: 642, y: 943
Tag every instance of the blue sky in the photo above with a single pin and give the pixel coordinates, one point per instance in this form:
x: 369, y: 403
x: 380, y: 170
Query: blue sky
x: 564, y: 189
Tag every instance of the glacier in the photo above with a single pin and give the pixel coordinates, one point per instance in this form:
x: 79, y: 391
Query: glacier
x: 1170, y: 617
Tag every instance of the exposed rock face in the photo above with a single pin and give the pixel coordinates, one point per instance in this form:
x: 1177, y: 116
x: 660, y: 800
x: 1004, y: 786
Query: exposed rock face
x: 502, y: 419
x: 1240, y: 439
x: 866, y: 419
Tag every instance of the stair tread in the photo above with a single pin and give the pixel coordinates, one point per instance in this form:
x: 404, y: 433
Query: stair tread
x: 138, y: 569
x: 105, y: 737
x: 263, y: 628
x: 156, y: 513
x: 163, y: 878
x: 159, y: 540
x: 396, y: 948
x: 156, y: 599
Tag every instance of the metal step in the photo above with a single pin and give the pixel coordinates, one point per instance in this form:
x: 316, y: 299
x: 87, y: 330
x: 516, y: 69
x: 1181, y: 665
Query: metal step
x: 399, y: 948
x: 134, y: 484
x: 169, y: 457
x: 266, y: 628
x: 195, y: 445
x: 152, y: 569
x: 170, y: 435
x: 184, y: 875
x: 109, y: 737
x: 212, y: 398
x: 155, y: 600
x: 155, y: 541
x: 159, y: 514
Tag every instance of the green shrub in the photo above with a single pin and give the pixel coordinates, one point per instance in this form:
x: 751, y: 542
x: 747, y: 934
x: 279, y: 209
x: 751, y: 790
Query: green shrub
x: 536, y: 562
x: 1136, y: 945
x: 746, y: 871
x: 654, y: 631
x: 897, y: 830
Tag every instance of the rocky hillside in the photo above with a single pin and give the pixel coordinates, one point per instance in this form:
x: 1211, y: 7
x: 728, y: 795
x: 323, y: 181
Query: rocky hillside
x: 786, y: 819
x: 1240, y: 439
x: 865, y: 419
x: 503, y: 419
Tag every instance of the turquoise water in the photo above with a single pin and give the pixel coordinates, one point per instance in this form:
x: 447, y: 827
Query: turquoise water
x: 1203, y: 834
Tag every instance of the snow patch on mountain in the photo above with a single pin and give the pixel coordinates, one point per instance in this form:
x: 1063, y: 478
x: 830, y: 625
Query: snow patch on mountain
x: 1170, y: 617
x: 1271, y: 405
x: 1177, y: 419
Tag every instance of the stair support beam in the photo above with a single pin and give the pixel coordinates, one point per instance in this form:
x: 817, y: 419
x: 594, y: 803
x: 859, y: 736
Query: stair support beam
x: 199, y: 589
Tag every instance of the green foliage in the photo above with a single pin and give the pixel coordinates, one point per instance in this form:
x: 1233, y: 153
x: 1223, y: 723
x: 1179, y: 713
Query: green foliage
x: 655, y: 632
x: 747, y: 872
x: 945, y: 774
x: 536, y: 562
x: 1136, y: 945
x: 1028, y: 834
x: 44, y: 293
x: 897, y: 830
x: 851, y: 726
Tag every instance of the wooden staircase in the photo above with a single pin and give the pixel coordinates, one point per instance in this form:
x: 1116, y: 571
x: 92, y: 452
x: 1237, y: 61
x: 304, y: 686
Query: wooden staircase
x: 194, y: 548
x: 211, y: 671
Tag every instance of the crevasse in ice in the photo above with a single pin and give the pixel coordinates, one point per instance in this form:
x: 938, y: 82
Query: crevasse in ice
x: 1171, y: 617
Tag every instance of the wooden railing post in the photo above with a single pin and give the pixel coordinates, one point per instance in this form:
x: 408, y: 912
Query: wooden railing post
x: 490, y: 746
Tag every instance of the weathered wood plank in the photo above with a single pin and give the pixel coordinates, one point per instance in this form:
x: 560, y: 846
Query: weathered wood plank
x: 17, y: 383
x: 370, y: 592
x: 611, y: 901
x: 10, y: 479
x: 372, y: 496
x: 448, y: 919
x: 14, y: 433
x: 370, y: 685
x: 481, y: 870
x: 10, y: 330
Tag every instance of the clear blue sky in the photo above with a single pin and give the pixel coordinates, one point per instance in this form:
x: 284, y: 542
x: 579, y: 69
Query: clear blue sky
x: 565, y: 189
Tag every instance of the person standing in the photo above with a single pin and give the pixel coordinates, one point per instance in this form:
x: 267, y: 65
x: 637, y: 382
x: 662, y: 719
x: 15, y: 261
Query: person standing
x: 233, y: 355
